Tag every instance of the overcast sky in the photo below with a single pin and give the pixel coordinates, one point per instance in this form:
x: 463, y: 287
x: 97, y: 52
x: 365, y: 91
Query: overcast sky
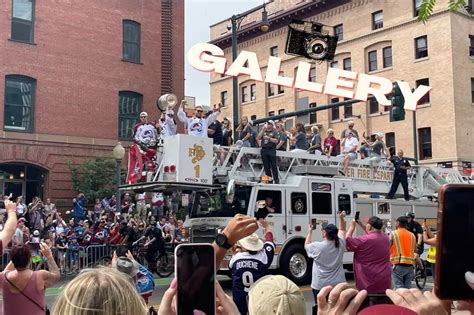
x: 199, y: 15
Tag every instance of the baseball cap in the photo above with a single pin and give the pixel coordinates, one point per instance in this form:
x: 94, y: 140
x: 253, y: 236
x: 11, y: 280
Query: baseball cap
x: 375, y: 222
x: 410, y: 214
x: 126, y: 266
x: 275, y: 294
x: 251, y: 243
x: 144, y: 114
x: 386, y: 309
x: 330, y: 228
x: 22, y: 220
x: 36, y: 233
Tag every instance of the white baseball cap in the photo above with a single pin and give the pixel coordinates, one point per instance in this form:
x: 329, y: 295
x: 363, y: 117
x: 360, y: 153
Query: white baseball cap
x: 144, y: 114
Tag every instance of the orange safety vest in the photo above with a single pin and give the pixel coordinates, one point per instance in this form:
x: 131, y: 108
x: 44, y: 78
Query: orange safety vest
x: 403, y: 247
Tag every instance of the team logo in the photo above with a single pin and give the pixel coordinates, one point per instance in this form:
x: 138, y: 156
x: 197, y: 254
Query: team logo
x: 299, y: 206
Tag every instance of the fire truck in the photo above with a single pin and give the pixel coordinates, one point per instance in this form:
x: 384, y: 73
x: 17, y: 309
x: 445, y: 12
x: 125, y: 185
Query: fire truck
x: 224, y: 181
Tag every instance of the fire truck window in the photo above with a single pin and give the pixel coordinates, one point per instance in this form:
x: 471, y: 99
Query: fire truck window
x: 272, y: 199
x: 298, y: 203
x: 321, y: 203
x: 383, y: 208
x: 344, y: 203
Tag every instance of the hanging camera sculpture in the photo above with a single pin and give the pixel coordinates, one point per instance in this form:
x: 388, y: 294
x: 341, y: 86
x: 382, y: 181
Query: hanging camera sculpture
x: 308, y: 39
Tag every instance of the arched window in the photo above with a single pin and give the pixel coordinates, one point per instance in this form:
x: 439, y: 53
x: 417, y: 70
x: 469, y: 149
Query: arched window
x: 131, y: 41
x: 19, y: 103
x: 130, y: 105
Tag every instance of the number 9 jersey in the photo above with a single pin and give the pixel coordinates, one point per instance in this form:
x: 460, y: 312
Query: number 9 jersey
x: 246, y: 268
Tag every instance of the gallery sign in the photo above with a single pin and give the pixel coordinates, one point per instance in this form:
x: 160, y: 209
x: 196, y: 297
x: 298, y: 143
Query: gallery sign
x: 341, y: 83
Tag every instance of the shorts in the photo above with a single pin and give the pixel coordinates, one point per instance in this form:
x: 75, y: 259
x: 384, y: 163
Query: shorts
x: 73, y: 257
x: 352, y: 155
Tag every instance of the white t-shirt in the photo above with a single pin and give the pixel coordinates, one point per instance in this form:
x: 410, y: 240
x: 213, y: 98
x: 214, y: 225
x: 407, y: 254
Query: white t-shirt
x: 20, y: 208
x: 197, y: 126
x: 327, y: 263
x: 350, y: 143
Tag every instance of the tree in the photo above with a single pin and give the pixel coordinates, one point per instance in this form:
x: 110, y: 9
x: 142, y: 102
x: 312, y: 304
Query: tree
x: 95, y: 178
x: 427, y: 6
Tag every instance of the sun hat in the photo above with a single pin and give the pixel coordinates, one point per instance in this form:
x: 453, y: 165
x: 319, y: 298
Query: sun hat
x: 251, y: 243
x: 275, y: 294
x: 126, y: 266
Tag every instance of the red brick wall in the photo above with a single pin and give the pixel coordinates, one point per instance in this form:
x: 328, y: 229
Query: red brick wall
x: 77, y: 62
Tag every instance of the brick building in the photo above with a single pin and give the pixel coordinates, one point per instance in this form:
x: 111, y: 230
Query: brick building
x: 75, y: 75
x: 382, y: 38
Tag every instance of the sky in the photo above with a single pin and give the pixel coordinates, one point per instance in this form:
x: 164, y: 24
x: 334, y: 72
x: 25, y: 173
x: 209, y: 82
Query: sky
x: 199, y: 15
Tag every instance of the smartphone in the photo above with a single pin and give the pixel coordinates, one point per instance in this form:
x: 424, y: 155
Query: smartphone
x: 356, y: 216
x: 454, y: 255
x: 196, y: 275
x: 314, y: 222
x: 374, y: 299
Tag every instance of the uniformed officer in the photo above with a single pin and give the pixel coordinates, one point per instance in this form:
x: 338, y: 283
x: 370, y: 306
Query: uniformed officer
x: 399, y: 175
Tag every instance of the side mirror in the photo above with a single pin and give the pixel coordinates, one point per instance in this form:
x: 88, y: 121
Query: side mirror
x: 230, y: 192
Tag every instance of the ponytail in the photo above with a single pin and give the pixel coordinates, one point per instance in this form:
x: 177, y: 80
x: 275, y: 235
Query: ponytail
x: 335, y: 239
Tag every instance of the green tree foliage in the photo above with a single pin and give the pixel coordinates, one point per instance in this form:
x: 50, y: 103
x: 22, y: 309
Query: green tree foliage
x: 427, y: 7
x: 95, y: 178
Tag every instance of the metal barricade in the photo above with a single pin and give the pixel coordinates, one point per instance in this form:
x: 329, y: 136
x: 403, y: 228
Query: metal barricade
x: 95, y: 255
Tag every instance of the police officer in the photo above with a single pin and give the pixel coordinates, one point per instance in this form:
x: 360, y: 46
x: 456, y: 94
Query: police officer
x: 399, y: 175
x: 416, y: 229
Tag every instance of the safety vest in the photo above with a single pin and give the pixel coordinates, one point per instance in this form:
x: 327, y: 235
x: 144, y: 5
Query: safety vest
x: 403, y: 247
x: 431, y: 258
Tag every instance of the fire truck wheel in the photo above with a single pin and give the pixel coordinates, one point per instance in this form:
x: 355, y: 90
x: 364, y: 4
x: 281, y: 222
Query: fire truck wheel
x: 296, y: 265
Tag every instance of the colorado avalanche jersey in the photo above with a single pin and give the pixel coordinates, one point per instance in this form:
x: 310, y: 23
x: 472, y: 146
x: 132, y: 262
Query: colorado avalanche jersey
x: 197, y: 126
x: 247, y: 269
x: 167, y: 127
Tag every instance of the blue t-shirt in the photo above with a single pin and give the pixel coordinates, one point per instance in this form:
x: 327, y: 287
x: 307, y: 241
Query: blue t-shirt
x: 247, y: 269
x: 301, y: 142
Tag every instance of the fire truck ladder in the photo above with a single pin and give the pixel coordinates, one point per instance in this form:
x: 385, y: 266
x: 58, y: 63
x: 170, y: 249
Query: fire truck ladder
x: 245, y: 164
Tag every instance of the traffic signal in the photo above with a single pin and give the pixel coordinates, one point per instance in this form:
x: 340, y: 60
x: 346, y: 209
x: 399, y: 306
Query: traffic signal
x: 397, y: 112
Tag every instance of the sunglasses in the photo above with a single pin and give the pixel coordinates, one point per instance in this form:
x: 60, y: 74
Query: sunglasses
x: 143, y: 116
x: 199, y: 111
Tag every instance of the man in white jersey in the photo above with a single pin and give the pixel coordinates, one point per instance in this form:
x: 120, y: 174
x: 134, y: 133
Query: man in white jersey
x: 197, y: 125
x: 167, y: 124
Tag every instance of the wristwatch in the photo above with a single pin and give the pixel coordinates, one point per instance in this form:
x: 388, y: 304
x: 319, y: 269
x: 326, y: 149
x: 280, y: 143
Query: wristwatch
x: 222, y: 241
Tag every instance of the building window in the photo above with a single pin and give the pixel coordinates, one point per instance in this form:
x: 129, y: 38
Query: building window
x: 270, y: 89
x: 339, y: 32
x: 372, y: 60
x: 421, y: 47
x: 471, y: 47
x: 426, y: 98
x: 253, y: 117
x: 131, y: 41
x: 333, y: 64
x: 253, y: 92
x: 377, y: 20
x: 313, y: 117
x: 312, y: 74
x: 19, y: 103
x: 346, y: 64
x: 281, y: 89
x: 224, y: 98
x: 334, y: 110
x: 472, y: 90
x: 348, y: 111
x: 274, y: 51
x: 272, y: 113
x: 387, y: 57
x: 281, y: 111
x: 390, y: 141
x: 130, y: 105
x: 424, y: 136
x: 245, y: 94
x: 23, y: 20
x: 373, y: 106
x: 416, y: 7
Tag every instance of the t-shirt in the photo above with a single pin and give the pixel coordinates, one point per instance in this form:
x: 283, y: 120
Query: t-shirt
x: 301, y: 142
x: 20, y: 208
x: 372, y: 268
x: 267, y: 143
x: 283, y: 137
x: 349, y: 143
x: 247, y: 269
x: 331, y: 142
x: 315, y: 140
x: 327, y: 263
x: 154, y: 232
x: 397, y: 163
x: 345, y: 132
x: 415, y: 228
x: 99, y: 235
x: 217, y: 136
x: 226, y: 137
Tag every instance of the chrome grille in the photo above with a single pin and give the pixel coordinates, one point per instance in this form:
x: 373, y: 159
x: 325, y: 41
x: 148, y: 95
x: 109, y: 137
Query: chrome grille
x: 204, y: 233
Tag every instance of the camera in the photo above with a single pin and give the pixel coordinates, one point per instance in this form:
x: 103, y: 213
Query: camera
x: 308, y: 39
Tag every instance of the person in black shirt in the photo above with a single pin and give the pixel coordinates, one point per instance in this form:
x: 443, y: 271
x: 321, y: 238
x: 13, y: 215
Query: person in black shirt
x: 214, y: 131
x: 269, y: 138
x: 399, y: 175
x: 226, y: 132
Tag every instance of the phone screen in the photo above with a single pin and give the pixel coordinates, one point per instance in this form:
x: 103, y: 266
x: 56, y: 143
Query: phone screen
x: 455, y: 255
x: 314, y: 222
x: 356, y: 217
x: 374, y: 299
x: 195, y: 271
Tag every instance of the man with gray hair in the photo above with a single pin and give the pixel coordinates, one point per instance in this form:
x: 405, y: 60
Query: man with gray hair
x: 350, y: 127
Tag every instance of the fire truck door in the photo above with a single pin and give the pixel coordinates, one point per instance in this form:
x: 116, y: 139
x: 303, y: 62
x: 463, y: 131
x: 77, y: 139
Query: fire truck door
x: 297, y: 213
x: 321, y: 204
x: 276, y: 205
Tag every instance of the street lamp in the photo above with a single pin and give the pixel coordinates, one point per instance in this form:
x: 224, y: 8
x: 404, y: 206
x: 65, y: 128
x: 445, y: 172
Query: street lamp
x: 236, y: 20
x: 118, y: 153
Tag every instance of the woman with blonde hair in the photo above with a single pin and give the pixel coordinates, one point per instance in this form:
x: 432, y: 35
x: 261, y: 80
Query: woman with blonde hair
x: 101, y: 291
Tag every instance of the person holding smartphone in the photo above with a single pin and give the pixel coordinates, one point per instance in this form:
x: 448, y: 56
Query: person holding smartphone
x: 372, y: 269
x: 250, y: 262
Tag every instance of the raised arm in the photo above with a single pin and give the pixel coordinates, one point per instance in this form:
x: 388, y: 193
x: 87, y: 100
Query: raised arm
x: 342, y: 225
x: 10, y: 226
x: 181, y: 114
x: 51, y: 276
x: 308, y: 238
